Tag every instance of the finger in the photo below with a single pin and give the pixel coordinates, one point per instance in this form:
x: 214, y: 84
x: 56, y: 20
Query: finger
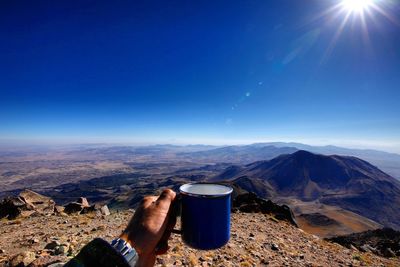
x: 147, y: 201
x: 165, y: 199
x: 162, y: 246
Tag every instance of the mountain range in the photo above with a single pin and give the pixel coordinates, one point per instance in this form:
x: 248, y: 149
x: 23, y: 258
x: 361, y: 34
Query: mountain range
x: 242, y: 154
x: 346, y: 182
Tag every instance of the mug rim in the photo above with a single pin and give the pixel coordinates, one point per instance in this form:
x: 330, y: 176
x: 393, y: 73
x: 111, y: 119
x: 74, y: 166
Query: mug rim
x: 230, y: 190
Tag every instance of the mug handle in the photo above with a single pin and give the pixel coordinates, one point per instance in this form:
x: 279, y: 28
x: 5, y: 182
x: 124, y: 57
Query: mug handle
x: 176, y: 209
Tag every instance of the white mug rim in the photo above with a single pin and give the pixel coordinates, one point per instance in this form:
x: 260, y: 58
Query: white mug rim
x: 183, y: 190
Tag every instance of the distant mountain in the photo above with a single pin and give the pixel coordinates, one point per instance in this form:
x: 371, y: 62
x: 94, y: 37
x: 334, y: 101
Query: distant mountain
x: 243, y: 154
x: 239, y: 154
x: 347, y: 182
x: 389, y: 162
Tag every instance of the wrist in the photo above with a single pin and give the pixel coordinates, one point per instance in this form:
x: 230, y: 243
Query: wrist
x: 126, y: 250
x: 125, y: 236
x: 142, y: 257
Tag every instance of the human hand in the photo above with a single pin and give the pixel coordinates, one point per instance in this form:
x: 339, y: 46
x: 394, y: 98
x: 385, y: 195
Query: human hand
x: 150, y: 227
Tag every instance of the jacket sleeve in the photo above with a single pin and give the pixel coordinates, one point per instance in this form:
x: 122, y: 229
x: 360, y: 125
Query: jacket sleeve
x: 98, y: 253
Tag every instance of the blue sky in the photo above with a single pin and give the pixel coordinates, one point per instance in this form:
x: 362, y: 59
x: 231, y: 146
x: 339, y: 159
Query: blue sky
x: 199, y: 72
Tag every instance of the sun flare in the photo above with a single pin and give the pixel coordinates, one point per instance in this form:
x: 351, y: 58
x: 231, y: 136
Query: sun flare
x: 356, y: 5
x: 358, y: 15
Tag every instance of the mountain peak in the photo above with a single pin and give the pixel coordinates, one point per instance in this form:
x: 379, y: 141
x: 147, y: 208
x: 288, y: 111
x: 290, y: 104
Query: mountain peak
x: 303, y: 152
x: 346, y: 182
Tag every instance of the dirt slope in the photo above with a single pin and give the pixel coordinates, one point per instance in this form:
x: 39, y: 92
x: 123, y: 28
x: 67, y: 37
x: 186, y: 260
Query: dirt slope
x: 257, y: 240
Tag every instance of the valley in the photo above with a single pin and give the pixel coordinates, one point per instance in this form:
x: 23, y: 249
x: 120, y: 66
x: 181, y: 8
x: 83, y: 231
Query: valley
x: 327, y: 194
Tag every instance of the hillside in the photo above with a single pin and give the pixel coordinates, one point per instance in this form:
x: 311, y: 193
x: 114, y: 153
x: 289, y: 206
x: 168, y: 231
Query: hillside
x: 257, y: 240
x: 346, y: 182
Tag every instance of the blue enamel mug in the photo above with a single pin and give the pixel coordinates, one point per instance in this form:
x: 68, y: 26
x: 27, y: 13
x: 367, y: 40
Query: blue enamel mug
x: 205, y: 215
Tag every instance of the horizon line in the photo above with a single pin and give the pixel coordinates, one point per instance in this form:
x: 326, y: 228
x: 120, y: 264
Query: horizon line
x: 9, y: 143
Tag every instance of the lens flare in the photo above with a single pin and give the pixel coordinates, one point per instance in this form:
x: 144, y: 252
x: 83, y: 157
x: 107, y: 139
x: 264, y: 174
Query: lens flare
x: 356, y: 5
x: 357, y: 14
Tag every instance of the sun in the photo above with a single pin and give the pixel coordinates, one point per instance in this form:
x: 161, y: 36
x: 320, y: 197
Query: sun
x: 356, y: 5
x: 358, y: 14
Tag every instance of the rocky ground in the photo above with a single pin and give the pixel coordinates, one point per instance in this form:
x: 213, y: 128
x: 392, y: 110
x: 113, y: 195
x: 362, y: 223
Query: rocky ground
x: 257, y: 240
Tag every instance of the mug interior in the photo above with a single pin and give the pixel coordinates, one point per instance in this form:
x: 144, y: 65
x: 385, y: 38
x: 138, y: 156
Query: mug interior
x: 203, y: 189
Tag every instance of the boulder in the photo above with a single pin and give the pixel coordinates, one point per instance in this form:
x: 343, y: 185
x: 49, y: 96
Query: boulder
x: 99, y: 209
x: 62, y: 249
x: 73, y: 207
x: 11, y: 207
x: 83, y: 201
x: 38, y: 202
x: 26, y: 204
x: 81, y: 205
x: 105, y: 211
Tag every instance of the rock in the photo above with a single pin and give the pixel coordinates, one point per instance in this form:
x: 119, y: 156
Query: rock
x: 58, y: 209
x: 388, y: 252
x: 365, y: 248
x: 105, y: 211
x: 383, y: 242
x: 11, y: 207
x: 73, y: 207
x: 38, y: 202
x: 26, y: 204
x: 88, y: 209
x: 61, y: 250
x: 274, y: 247
x: 250, y: 203
x: 353, y: 248
x: 253, y: 207
x: 81, y: 205
x: 23, y: 259
x: 83, y: 201
x: 52, y: 245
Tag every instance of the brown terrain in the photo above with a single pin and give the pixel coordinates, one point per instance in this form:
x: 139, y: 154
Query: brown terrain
x: 327, y: 221
x: 256, y: 240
